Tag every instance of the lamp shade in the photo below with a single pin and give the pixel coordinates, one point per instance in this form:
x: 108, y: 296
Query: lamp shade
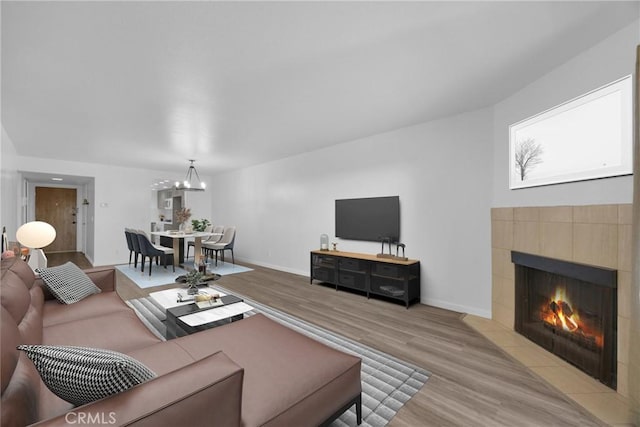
x: 36, y: 234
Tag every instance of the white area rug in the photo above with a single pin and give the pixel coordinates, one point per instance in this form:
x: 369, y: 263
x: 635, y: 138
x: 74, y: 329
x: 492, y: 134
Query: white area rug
x: 163, y: 276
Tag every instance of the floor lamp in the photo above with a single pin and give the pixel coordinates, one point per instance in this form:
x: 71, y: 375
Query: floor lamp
x: 36, y: 235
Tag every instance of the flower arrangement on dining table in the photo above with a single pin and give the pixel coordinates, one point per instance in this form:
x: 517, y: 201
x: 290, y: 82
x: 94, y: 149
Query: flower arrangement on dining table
x: 183, y: 215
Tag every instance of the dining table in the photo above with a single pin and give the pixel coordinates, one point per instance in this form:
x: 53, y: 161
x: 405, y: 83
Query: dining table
x: 177, y: 235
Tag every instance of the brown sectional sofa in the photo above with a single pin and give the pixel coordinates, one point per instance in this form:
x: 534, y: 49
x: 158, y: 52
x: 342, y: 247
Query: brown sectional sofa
x: 254, y: 372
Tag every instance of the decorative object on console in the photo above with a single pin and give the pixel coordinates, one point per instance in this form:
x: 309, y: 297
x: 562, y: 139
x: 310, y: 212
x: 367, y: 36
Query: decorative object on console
x: 384, y: 240
x: 68, y: 283
x: 390, y: 254
x: 398, y: 246
x: 36, y: 235
x: 188, y: 184
x: 324, y: 242
x: 82, y: 375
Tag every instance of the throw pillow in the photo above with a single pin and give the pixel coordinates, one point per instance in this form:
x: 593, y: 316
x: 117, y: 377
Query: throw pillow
x: 68, y: 283
x: 81, y: 375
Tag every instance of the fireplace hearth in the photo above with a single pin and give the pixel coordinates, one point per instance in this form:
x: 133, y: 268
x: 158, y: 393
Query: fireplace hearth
x: 569, y: 309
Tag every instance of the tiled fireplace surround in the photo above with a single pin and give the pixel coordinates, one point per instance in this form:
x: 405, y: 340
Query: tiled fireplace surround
x: 598, y: 235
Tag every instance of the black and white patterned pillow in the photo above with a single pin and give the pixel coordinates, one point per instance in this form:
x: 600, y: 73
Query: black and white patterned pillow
x: 82, y: 375
x: 68, y: 283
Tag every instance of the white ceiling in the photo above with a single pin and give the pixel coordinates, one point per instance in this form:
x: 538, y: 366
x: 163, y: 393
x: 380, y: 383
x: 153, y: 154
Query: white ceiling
x: 152, y: 84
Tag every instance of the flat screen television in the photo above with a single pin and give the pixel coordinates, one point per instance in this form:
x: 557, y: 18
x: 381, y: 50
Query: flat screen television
x: 369, y: 219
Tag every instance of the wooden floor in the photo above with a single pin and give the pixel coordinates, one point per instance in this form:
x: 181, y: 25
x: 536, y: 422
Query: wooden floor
x: 59, y: 258
x: 474, y: 383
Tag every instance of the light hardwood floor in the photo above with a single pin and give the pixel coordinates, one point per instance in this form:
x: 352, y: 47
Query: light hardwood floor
x: 473, y: 382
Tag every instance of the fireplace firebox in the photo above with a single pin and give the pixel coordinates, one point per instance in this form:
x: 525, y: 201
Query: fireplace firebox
x: 569, y: 309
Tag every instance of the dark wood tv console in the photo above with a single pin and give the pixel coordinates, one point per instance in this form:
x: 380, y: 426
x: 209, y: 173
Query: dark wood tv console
x: 392, y: 278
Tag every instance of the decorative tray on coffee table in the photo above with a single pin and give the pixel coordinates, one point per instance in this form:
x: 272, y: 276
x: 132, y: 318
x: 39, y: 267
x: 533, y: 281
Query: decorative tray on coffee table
x: 203, y: 282
x: 183, y: 310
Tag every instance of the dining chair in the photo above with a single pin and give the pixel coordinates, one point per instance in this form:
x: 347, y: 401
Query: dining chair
x: 127, y: 236
x: 217, y: 231
x: 148, y: 249
x: 226, y: 243
x: 132, y: 238
x: 192, y: 244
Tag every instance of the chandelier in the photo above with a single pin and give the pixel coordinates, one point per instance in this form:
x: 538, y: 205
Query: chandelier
x: 189, y: 184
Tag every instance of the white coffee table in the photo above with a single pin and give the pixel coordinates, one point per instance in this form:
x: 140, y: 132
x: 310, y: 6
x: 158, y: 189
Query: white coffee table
x: 185, y: 317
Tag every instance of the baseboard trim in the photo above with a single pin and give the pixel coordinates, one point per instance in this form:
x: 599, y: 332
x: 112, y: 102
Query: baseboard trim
x: 456, y: 307
x: 276, y: 267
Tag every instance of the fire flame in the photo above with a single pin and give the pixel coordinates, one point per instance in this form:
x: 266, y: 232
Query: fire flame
x: 559, y: 312
x: 563, y: 313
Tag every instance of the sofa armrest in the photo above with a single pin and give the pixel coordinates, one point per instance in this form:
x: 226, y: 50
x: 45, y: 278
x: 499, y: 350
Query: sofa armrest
x: 205, y: 393
x: 103, y: 277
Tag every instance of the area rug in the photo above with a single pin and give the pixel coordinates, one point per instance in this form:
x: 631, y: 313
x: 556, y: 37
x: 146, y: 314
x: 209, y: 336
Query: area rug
x: 163, y: 276
x: 387, y: 382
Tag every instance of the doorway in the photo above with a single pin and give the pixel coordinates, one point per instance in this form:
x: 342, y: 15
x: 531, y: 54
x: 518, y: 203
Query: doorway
x: 58, y: 207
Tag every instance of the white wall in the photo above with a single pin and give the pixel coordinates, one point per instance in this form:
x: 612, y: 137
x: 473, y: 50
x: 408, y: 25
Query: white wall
x: 200, y: 204
x: 442, y: 172
x: 122, y: 198
x: 10, y: 204
x: 605, y: 62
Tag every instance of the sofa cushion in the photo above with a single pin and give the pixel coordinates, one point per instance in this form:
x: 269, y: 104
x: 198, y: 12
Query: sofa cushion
x: 92, y: 306
x: 82, y: 375
x: 119, y: 331
x: 68, y: 283
x: 163, y: 357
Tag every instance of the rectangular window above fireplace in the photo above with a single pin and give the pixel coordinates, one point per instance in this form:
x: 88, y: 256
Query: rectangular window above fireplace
x: 569, y: 309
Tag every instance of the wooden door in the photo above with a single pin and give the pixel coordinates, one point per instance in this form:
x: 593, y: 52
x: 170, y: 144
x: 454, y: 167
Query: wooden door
x: 57, y: 206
